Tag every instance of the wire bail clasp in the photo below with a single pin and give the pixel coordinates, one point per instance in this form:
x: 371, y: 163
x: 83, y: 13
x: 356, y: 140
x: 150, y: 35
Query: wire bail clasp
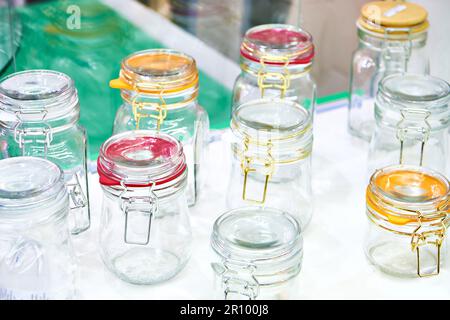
x: 138, y: 108
x: 274, y: 80
x: 397, y: 53
x: 78, y: 203
x: 142, y: 209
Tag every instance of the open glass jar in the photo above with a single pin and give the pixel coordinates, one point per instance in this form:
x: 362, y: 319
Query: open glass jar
x: 159, y: 89
x: 145, y: 234
x: 272, y: 157
x: 36, y: 257
x: 259, y: 254
x: 412, y: 115
x: 39, y: 115
x: 392, y: 38
x: 276, y: 60
x: 408, y: 210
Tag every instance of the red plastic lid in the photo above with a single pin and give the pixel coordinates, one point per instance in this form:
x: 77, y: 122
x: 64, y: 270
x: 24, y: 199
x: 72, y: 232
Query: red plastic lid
x: 140, y: 159
x: 277, y: 44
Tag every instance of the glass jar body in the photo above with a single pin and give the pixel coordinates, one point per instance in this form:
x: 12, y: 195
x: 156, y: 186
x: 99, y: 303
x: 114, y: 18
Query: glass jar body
x: 37, y: 260
x: 169, y: 237
x: 375, y: 58
x: 189, y: 124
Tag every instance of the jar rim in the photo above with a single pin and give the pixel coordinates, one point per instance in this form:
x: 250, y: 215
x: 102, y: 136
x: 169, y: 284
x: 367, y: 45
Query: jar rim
x: 140, y: 158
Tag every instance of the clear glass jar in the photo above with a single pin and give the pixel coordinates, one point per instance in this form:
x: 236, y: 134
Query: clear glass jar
x: 39, y: 115
x: 258, y: 254
x: 271, y: 164
x: 392, y: 38
x: 408, y: 211
x: 145, y: 235
x: 159, y: 90
x: 36, y: 256
x: 276, y: 60
x: 412, y: 115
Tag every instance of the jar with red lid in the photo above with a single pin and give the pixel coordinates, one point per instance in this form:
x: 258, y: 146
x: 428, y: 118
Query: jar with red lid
x: 276, y: 60
x: 145, y: 235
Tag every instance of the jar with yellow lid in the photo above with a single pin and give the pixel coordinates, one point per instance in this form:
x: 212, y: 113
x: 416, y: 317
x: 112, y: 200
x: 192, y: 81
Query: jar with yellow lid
x: 271, y: 166
x: 408, y: 211
x: 159, y: 88
x: 276, y: 61
x: 392, y: 38
x: 412, y: 118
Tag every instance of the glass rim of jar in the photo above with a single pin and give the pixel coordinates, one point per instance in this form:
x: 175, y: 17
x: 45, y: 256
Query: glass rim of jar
x: 40, y: 196
x: 438, y: 89
x: 54, y: 98
x: 141, y: 158
x: 391, y: 193
x: 235, y: 250
x: 258, y: 45
x: 174, y: 72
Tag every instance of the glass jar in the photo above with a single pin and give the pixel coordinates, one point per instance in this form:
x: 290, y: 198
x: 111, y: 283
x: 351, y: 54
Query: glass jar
x: 271, y: 164
x: 412, y: 115
x: 39, y: 115
x: 36, y: 256
x: 159, y: 90
x: 276, y: 60
x: 145, y: 234
x: 258, y: 254
x: 408, y: 210
x: 392, y: 38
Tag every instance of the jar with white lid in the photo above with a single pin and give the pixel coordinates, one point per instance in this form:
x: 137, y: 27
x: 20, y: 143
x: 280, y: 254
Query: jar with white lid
x: 271, y: 165
x: 276, y: 61
x: 39, y: 114
x: 408, y: 210
x: 412, y: 114
x: 36, y: 256
x: 159, y: 88
x: 392, y: 38
x: 258, y: 254
x: 145, y: 233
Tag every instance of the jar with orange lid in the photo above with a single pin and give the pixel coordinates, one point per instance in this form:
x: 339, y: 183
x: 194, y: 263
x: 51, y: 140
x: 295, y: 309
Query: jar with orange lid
x: 159, y: 88
x: 392, y: 38
x: 408, y: 212
x: 276, y: 61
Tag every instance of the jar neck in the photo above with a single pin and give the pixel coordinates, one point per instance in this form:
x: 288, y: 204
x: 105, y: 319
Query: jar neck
x: 255, y: 69
x: 381, y: 41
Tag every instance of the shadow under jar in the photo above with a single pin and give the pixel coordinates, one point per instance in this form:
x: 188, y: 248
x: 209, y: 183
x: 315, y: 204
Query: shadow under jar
x: 392, y: 38
x: 258, y: 254
x: 145, y: 234
x: 39, y: 114
x: 271, y: 164
x: 276, y: 61
x: 408, y: 211
x: 412, y: 115
x: 159, y: 88
x: 36, y: 256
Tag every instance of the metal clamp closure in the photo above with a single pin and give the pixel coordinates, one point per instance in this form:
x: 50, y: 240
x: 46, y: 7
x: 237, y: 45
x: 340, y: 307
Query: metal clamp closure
x: 141, y: 209
x: 139, y: 106
x: 238, y: 281
x: 397, y: 51
x: 405, y: 129
x: 78, y: 203
x: 274, y: 80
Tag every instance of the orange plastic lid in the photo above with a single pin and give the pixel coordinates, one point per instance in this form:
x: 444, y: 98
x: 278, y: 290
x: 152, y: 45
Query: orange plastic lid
x: 377, y: 16
x: 157, y: 71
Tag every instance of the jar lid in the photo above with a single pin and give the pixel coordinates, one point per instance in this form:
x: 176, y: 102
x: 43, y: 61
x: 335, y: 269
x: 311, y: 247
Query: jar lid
x: 140, y: 158
x: 278, y: 44
x: 27, y: 183
x: 256, y: 235
x: 157, y: 71
x: 37, y: 95
x: 393, y: 16
x: 401, y: 193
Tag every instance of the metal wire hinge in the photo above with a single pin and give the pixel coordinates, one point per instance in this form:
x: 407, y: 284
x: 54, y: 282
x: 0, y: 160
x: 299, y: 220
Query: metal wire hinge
x: 138, y: 108
x: 238, y: 281
x: 277, y: 80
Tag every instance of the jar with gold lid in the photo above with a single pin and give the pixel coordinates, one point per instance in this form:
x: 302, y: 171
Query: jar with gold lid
x: 159, y: 88
x: 408, y: 212
x: 392, y: 38
x: 276, y: 61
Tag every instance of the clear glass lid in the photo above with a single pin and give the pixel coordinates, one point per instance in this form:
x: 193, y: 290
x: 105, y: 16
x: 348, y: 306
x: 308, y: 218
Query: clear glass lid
x: 38, y: 94
x: 28, y: 182
x: 256, y: 234
x: 140, y: 158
